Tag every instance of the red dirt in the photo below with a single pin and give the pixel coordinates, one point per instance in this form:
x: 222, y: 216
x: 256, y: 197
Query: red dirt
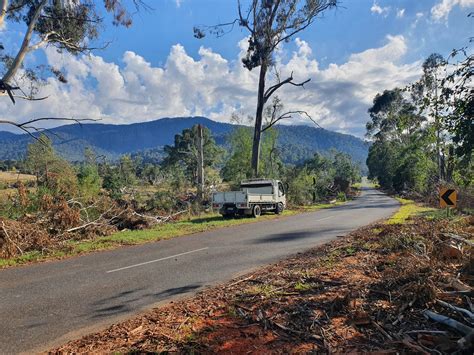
x: 363, y: 293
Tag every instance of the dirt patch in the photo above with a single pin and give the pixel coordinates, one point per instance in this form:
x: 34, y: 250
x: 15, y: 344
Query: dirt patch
x: 364, y: 293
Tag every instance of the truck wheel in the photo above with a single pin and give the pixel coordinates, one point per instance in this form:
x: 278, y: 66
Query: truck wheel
x: 279, y: 209
x: 256, y: 211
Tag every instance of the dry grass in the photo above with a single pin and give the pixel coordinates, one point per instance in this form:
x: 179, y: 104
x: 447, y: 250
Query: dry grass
x: 10, y: 177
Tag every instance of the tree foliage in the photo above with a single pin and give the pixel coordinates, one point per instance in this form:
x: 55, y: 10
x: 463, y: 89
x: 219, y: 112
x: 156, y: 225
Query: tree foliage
x: 422, y: 135
x: 52, y: 172
x: 321, y: 178
x: 184, y: 152
x: 238, y: 164
x: 67, y: 25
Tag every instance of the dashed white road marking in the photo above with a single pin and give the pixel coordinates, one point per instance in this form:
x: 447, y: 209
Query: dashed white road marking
x: 156, y: 260
x: 322, y: 219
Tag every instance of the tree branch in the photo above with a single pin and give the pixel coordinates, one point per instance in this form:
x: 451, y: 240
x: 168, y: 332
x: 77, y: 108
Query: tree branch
x: 302, y: 25
x: 24, y: 46
x: 3, y: 12
x: 24, y: 97
x: 289, y: 115
x: 271, y: 90
x: 29, y: 129
x: 7, y: 89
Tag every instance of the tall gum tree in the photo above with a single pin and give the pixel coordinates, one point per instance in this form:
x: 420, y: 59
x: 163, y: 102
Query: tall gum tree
x: 67, y: 25
x: 269, y: 23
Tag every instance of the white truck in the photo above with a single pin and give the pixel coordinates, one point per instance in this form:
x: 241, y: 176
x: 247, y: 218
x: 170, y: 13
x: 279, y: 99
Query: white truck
x: 254, y: 197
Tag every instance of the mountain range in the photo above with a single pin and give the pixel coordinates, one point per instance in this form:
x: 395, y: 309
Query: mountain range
x: 296, y: 143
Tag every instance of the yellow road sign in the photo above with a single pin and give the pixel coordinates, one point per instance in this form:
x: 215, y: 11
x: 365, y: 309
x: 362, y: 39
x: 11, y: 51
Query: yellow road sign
x: 447, y: 197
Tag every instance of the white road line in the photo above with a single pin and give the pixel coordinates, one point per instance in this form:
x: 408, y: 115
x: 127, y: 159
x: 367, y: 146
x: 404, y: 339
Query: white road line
x: 322, y: 219
x: 155, y: 261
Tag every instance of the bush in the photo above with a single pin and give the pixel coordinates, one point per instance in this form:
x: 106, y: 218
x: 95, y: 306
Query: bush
x: 341, y: 196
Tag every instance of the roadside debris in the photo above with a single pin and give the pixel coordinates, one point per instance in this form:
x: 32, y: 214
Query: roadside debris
x: 389, y: 288
x: 58, y: 221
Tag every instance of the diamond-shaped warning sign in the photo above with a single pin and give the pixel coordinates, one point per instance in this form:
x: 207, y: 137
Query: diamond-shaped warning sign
x: 447, y: 197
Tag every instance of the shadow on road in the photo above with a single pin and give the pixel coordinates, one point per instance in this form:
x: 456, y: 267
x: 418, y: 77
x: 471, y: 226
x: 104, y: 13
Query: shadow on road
x: 291, y: 236
x: 127, y: 301
x: 176, y: 291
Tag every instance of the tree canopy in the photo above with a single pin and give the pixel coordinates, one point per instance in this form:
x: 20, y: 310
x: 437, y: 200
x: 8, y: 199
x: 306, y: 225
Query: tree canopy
x: 67, y: 25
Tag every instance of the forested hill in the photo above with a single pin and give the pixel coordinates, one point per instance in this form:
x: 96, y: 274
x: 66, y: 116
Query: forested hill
x: 296, y: 142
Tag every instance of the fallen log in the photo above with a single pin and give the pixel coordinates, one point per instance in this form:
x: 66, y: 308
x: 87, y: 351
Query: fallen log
x: 460, y: 327
x: 463, y: 311
x: 459, y: 238
x: 160, y: 219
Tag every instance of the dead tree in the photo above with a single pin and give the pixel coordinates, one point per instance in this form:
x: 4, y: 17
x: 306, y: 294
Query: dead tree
x: 269, y: 23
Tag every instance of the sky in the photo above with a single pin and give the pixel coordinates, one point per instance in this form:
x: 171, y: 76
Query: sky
x: 157, y: 68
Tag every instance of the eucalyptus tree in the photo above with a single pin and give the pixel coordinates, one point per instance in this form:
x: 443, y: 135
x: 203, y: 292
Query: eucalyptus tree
x: 187, y: 149
x: 269, y: 23
x: 431, y: 85
x: 458, y: 95
x: 67, y: 25
x: 400, y: 155
x: 393, y: 117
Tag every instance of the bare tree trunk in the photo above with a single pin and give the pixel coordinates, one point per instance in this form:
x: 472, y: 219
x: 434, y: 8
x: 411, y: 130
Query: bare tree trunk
x: 200, y: 172
x: 440, y: 159
x: 3, y: 12
x: 259, y: 119
x: 450, y: 164
x: 17, y: 62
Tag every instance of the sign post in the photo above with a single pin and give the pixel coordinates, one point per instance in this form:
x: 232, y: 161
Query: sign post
x: 447, y: 198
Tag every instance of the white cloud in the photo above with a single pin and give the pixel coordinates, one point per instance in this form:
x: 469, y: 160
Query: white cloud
x: 400, y: 13
x: 377, y: 9
x: 178, y: 3
x: 418, y: 17
x: 134, y: 90
x: 442, y: 9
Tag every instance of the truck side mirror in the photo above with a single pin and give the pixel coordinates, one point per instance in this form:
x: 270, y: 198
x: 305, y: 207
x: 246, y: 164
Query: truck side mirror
x: 287, y: 187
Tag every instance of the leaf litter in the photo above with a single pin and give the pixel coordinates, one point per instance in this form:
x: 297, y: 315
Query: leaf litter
x: 385, y: 288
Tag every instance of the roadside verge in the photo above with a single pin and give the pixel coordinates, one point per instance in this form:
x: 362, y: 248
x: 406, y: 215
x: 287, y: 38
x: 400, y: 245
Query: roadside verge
x: 371, y: 291
x: 184, y: 226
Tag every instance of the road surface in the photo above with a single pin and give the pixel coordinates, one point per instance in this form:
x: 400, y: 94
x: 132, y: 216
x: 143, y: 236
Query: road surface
x: 46, y: 304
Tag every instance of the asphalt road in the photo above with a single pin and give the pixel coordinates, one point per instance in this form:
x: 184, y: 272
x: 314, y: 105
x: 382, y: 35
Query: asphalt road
x: 49, y: 303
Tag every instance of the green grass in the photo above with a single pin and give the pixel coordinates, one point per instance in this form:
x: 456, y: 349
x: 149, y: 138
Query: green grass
x: 303, y: 287
x: 408, y: 209
x: 167, y: 231
x: 183, y: 227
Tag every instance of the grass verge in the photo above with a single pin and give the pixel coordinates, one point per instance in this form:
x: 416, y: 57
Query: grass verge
x: 408, y: 209
x: 179, y: 228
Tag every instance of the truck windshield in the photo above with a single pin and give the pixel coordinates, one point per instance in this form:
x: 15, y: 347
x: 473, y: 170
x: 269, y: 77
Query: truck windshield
x: 258, y: 188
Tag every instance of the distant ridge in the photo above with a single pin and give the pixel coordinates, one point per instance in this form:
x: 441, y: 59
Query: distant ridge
x: 296, y: 143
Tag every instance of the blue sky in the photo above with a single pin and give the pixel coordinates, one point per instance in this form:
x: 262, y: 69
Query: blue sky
x: 352, y: 28
x: 158, y: 69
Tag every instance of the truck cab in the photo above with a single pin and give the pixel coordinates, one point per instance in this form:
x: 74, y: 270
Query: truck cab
x: 254, y: 197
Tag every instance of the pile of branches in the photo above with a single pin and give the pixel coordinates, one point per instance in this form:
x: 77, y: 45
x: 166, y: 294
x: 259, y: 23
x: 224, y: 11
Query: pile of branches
x: 57, y: 221
x: 397, y: 288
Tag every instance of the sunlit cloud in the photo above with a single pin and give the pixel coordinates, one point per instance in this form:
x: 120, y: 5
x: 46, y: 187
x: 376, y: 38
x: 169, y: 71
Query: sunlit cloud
x: 133, y: 90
